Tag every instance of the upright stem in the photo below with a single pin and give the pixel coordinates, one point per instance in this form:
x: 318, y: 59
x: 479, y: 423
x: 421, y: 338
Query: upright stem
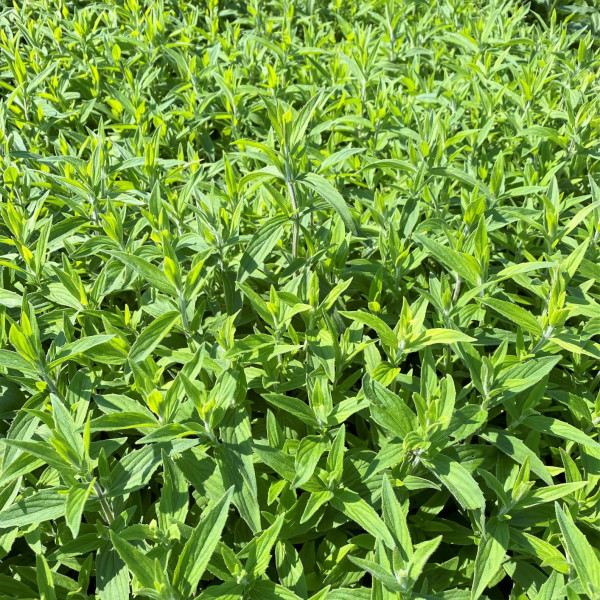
x: 456, y: 288
x: 184, y: 318
x: 292, y: 193
x: 543, y: 339
x: 53, y: 387
x: 106, y: 509
x: 296, y: 225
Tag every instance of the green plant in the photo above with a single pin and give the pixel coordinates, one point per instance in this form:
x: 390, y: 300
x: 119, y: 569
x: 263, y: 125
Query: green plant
x: 299, y: 300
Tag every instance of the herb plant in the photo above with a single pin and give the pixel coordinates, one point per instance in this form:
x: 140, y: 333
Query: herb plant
x: 299, y: 299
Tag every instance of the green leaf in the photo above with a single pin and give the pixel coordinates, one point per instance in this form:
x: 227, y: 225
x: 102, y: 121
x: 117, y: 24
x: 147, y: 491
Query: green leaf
x: 174, y: 495
x: 580, y: 553
x: 516, y: 314
x: 459, y: 175
x: 466, y: 266
x: 68, y: 351
x: 268, y: 590
x: 44, y: 578
x: 323, y: 188
x: 279, y: 461
x: 378, y: 572
x: 111, y: 575
x: 230, y: 590
x: 147, y: 271
x: 12, y: 360
x: 259, y: 549
x: 422, y: 553
x: 553, y: 587
x: 199, y: 548
x: 10, y: 299
x: 559, y: 429
x: 302, y: 120
x: 383, y: 330
x: 15, y: 589
x: 458, y: 480
x: 390, y: 163
x: 149, y: 339
x: 490, y: 555
x: 122, y: 421
x: 518, y: 451
x: 76, y: 499
x: 547, y: 553
x: 551, y: 493
x: 315, y: 501
x: 395, y: 519
x: 528, y: 373
x: 335, y: 458
x: 237, y: 467
x: 294, y: 406
x: 137, y: 562
x: 45, y: 505
x: 355, y: 508
x: 259, y: 248
x: 65, y: 425
x: 388, y: 409
x: 290, y: 568
x: 135, y: 470
x: 309, y: 452
x: 42, y: 450
x: 439, y: 336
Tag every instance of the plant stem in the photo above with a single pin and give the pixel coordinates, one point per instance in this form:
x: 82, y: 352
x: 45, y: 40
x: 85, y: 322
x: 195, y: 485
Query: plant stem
x: 106, y: 509
x: 292, y: 193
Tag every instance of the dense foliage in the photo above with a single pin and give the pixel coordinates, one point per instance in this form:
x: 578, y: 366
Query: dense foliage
x: 299, y: 299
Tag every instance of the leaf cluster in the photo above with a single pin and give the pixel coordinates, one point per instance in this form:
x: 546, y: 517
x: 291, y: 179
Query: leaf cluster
x: 299, y: 300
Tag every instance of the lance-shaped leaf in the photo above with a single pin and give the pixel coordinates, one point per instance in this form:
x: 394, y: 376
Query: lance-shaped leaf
x: 389, y: 410
x: 174, y: 496
x: 234, y: 457
x: 560, y: 429
x: 490, y: 554
x: 12, y: 360
x: 137, y: 561
x: 147, y: 271
x: 135, y: 470
x: 323, y: 188
x: 199, y: 548
x: 382, y: 329
x: 518, y: 451
x: 355, y: 508
x: 462, y: 264
x: 438, y: 336
x: 259, y: 549
x: 68, y: 351
x: 580, y: 553
x: 76, y: 499
x: 458, y: 480
x: 112, y: 578
x: 515, y: 314
x: 526, y: 374
x: 44, y: 578
x: 309, y: 452
x: 395, y: 519
x: 294, y: 406
x: 45, y: 505
x: 378, y: 572
x: 149, y: 339
x: 259, y: 248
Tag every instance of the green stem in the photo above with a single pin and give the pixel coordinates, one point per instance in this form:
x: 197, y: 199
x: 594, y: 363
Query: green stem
x: 292, y: 193
x: 104, y: 504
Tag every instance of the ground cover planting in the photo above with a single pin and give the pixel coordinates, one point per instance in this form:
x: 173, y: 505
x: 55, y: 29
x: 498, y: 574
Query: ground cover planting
x: 299, y: 300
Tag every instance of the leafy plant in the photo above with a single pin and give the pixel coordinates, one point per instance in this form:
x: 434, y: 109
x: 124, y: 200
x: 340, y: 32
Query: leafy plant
x: 299, y: 300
